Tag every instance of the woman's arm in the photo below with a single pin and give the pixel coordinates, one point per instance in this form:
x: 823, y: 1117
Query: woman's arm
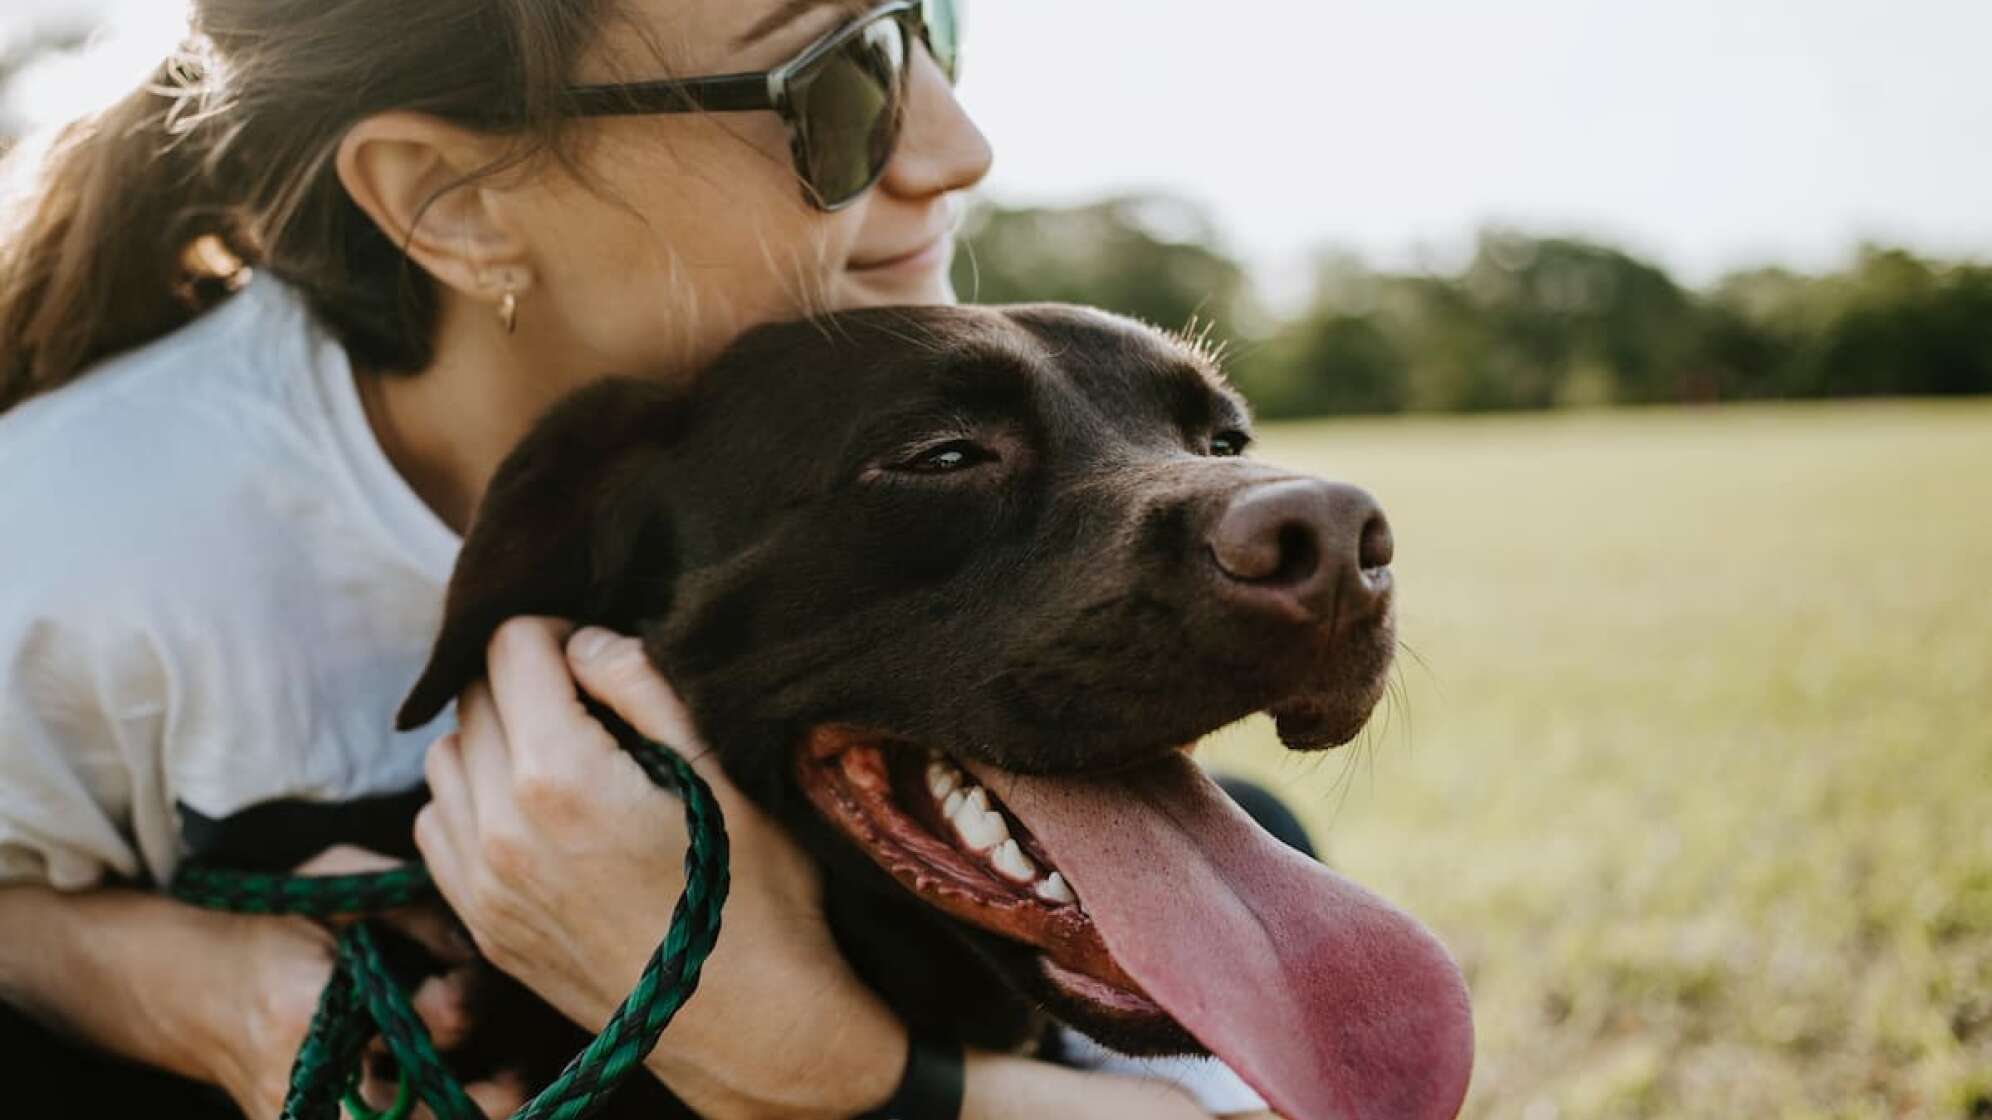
x: 130, y: 972
x: 565, y: 864
x: 223, y: 999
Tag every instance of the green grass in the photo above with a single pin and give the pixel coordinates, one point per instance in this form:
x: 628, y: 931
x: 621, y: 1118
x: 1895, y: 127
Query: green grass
x: 1691, y: 761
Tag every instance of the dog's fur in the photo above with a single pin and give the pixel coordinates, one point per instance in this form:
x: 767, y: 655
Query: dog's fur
x: 785, y: 540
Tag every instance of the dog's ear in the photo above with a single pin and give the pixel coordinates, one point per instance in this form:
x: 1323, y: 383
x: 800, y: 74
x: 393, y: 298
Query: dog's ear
x: 559, y: 531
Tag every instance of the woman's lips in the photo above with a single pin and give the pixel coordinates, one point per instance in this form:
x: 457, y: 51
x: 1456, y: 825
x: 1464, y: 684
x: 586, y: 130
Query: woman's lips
x: 923, y: 258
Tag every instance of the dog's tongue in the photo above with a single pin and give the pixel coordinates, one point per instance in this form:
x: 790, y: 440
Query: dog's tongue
x: 1331, y: 1003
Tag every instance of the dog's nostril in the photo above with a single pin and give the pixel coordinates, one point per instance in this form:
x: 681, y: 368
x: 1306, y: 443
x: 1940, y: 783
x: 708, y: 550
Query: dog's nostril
x: 1377, y: 548
x: 1280, y: 553
x: 1269, y: 539
x: 1299, y: 554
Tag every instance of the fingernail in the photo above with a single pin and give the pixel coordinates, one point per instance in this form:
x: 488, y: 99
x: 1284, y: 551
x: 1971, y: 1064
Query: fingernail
x: 591, y: 642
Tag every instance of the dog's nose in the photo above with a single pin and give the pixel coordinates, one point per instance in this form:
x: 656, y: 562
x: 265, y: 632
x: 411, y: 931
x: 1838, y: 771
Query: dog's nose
x: 1297, y: 543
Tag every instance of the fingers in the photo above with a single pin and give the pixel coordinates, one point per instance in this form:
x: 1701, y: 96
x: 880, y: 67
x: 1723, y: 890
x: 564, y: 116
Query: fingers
x: 485, y: 747
x: 443, y: 1004
x: 378, y: 1082
x: 446, y: 828
x: 615, y: 670
x: 533, y: 690
x: 503, y: 1095
x: 436, y: 930
x: 450, y: 815
x: 532, y: 696
x: 345, y: 859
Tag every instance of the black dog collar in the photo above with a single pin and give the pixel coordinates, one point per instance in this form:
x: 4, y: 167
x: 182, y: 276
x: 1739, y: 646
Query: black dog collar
x: 931, y: 1087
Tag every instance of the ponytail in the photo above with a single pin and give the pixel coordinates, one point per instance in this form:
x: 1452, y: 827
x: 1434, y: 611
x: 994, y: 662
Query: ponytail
x: 122, y: 237
x: 144, y: 216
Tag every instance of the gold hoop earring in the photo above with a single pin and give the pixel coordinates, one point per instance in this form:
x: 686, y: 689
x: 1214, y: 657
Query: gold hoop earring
x: 508, y: 311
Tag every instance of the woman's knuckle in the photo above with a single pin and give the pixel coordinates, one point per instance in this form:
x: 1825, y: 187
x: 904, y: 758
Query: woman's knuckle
x: 546, y: 796
x: 501, y: 951
x: 491, y: 949
x: 448, y: 1021
x: 290, y: 1009
x: 435, y: 764
x: 507, y: 860
x: 427, y: 822
x: 631, y: 666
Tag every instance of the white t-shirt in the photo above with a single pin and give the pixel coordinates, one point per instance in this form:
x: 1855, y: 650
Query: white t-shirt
x: 216, y: 589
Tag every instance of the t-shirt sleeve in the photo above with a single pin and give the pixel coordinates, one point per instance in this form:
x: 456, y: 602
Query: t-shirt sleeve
x: 202, y: 609
x: 67, y: 717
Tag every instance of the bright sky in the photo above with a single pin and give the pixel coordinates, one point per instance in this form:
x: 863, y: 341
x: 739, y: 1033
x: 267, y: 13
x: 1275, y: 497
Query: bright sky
x: 1704, y: 133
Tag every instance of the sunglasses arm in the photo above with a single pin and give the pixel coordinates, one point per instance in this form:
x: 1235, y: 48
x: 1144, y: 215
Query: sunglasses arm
x: 732, y: 93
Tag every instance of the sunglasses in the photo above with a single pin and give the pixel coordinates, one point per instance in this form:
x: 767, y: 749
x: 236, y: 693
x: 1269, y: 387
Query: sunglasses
x: 843, y: 98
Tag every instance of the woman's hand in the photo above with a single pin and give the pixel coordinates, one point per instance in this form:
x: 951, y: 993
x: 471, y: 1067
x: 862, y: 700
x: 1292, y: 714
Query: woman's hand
x: 565, y: 863
x: 269, y: 972
x: 219, y: 998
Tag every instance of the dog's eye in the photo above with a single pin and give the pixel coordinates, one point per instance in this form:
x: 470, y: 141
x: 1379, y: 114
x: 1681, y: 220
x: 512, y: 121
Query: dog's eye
x: 954, y: 455
x: 1229, y: 443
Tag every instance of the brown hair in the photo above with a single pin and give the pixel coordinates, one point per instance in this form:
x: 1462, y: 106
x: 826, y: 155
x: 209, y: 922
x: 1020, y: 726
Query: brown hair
x: 139, y: 214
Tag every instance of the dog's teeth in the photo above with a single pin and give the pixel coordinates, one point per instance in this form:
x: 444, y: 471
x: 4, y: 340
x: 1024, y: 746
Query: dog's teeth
x: 982, y: 833
x: 980, y: 827
x: 1054, y: 889
x: 951, y: 803
x: 1010, y: 862
x: 942, y: 779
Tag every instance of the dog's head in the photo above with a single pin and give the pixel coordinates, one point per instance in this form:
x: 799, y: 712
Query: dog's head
x: 951, y: 590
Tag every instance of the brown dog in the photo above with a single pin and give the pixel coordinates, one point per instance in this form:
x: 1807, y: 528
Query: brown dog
x: 880, y: 549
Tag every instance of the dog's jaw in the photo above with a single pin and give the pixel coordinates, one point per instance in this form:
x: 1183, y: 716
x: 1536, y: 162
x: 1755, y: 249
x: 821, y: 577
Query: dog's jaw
x: 923, y: 822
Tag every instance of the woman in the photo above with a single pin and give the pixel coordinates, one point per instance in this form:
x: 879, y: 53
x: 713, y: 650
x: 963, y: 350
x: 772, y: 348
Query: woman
x: 232, y: 512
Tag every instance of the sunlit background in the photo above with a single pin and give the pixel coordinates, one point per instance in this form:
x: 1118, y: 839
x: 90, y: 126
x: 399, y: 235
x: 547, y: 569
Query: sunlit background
x: 1670, y: 328
x: 1706, y: 134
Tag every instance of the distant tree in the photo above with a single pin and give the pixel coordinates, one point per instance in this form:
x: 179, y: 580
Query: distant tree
x: 1567, y: 320
x: 1892, y: 324
x: 1335, y: 357
x: 1908, y: 326
x: 1760, y: 322
x: 1326, y: 364
x: 1153, y: 257
x: 1529, y: 323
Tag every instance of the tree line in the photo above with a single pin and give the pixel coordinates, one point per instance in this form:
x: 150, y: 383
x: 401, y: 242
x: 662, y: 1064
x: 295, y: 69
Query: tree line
x: 1529, y: 322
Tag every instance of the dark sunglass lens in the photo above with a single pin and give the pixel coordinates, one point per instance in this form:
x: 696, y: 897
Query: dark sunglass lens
x: 848, y: 111
x: 943, y: 20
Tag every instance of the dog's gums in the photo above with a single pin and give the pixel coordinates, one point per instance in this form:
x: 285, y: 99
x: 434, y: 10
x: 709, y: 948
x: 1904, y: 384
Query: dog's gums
x: 945, y: 839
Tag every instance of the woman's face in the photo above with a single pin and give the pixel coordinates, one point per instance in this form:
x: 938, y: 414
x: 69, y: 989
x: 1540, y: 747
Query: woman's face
x: 690, y: 228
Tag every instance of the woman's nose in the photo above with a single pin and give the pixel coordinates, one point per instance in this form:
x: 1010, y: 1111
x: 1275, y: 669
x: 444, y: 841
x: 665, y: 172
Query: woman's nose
x: 940, y: 150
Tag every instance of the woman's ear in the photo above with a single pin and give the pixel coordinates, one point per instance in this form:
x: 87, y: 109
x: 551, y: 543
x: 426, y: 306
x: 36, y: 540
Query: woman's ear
x: 575, y: 525
x: 420, y: 179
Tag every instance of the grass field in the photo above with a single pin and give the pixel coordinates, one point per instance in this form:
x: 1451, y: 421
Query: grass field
x: 1692, y: 763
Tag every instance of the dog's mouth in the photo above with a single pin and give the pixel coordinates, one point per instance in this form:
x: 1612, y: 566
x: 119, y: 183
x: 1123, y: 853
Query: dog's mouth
x: 1157, y: 910
x: 941, y: 835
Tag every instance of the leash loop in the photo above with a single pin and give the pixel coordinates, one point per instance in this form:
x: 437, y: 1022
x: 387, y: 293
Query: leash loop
x: 362, y: 999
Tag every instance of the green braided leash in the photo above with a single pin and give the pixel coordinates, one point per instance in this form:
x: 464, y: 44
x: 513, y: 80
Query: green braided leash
x: 363, y: 999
